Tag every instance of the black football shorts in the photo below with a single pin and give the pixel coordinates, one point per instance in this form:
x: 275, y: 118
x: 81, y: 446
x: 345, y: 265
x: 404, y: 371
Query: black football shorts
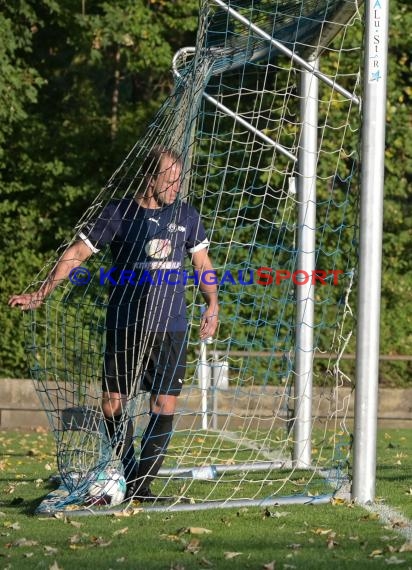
x: 154, y: 361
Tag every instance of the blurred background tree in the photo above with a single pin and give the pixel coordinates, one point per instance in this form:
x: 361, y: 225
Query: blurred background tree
x: 79, y: 82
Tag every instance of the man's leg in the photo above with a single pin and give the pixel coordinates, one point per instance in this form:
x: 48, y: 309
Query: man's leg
x: 120, y: 432
x: 163, y: 377
x: 155, y: 441
x: 119, y: 372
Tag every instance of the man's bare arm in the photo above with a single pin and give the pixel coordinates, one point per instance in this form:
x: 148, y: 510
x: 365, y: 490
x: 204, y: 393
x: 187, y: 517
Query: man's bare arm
x: 72, y: 257
x: 201, y: 263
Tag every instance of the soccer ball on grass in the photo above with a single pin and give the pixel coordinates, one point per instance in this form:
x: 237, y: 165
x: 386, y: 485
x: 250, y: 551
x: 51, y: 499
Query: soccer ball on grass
x: 108, y: 489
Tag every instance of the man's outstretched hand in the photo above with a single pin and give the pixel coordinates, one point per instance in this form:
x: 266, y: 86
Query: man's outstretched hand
x: 208, y: 324
x: 26, y: 301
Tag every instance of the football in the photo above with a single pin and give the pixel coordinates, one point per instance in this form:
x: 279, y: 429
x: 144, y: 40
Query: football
x: 108, y: 489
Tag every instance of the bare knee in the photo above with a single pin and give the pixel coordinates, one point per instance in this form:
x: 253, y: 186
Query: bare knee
x: 113, y: 404
x: 163, y: 404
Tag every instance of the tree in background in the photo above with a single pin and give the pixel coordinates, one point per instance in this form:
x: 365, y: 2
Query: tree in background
x: 80, y: 80
x: 78, y: 84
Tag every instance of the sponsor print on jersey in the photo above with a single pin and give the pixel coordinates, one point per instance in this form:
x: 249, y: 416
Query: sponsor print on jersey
x: 173, y: 228
x: 158, y: 248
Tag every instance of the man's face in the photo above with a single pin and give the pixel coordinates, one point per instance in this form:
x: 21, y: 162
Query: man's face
x: 166, y: 184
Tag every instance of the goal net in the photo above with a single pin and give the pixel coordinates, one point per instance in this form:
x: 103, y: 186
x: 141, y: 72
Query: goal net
x: 264, y: 117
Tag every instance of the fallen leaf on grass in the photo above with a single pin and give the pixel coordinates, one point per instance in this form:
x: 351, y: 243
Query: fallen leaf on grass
x: 276, y: 514
x: 12, y: 526
x: 331, y: 543
x: 230, y: 555
x: 77, y: 538
x: 399, y: 523
x: 407, y: 547
x: 394, y: 560
x: 337, y: 501
x: 171, y: 537
x: 121, y: 531
x: 25, y: 542
x: 321, y: 531
x: 205, y: 562
x: 370, y: 517
x: 125, y: 513
x: 60, y: 516
x: 270, y: 565
x: 189, y: 530
x: 132, y: 511
x: 49, y: 550
x: 193, y: 546
x: 55, y: 566
x: 376, y: 553
x: 100, y: 542
x: 401, y: 455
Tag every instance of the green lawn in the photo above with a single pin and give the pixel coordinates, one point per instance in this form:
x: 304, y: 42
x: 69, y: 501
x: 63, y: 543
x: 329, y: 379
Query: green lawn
x: 302, y: 537
x: 394, y: 472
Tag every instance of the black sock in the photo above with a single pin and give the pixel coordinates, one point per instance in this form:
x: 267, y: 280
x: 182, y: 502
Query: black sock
x: 153, y: 448
x: 121, y: 439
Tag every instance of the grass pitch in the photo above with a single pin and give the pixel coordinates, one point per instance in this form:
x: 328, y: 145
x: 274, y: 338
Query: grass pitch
x: 339, y: 535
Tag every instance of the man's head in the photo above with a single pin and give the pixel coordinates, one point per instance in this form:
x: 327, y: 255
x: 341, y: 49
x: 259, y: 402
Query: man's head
x: 163, y: 169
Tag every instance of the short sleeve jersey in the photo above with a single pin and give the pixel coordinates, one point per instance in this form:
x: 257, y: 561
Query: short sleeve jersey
x: 147, y: 277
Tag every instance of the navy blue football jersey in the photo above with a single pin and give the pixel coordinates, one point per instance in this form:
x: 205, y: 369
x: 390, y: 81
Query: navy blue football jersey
x: 147, y: 278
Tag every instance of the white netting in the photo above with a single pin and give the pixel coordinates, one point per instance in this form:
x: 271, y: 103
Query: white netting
x: 235, y: 119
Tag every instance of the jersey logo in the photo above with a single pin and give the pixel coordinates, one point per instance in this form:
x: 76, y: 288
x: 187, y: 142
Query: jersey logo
x: 158, y: 248
x: 173, y: 228
x: 154, y: 220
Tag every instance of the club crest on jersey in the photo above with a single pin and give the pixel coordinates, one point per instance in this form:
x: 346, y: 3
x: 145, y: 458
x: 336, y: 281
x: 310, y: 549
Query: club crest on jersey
x: 158, y: 248
x: 173, y: 228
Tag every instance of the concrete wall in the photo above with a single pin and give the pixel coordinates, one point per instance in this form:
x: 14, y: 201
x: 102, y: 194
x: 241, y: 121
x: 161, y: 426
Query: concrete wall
x: 20, y: 406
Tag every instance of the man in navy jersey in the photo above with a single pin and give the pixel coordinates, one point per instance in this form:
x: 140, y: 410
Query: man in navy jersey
x: 149, y: 235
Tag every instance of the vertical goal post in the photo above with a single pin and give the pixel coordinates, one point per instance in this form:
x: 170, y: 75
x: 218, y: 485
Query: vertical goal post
x: 370, y: 249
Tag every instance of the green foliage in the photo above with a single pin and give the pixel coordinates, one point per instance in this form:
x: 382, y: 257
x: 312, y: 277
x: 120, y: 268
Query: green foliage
x: 19, y: 81
x: 78, y: 84
x: 79, y: 81
x: 397, y: 261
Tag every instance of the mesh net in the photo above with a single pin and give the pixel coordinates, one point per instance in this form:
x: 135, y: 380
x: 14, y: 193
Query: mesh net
x: 235, y: 120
